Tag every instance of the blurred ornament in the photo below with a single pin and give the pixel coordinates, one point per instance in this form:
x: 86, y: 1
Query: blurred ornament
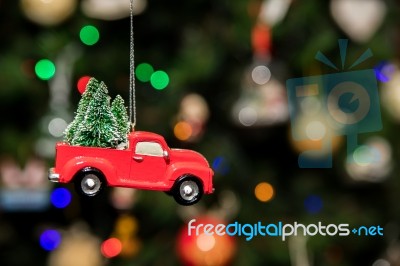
x: 192, y: 117
x: 48, y: 12
x: 274, y: 11
x: 381, y: 262
x: 263, y: 99
x: 125, y: 231
x: 359, y: 19
x: 390, y: 93
x: 24, y: 189
x: 78, y: 247
x: 313, y: 136
x: 123, y: 198
x: 205, y: 249
x: 371, y: 162
x: 33, y: 176
x: 194, y: 107
x: 111, y: 9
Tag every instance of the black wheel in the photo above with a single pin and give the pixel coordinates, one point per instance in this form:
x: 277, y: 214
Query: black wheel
x: 187, y: 190
x: 89, y: 182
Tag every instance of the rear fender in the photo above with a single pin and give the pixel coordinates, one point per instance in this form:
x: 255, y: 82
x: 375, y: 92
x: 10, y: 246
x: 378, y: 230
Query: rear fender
x: 78, y: 163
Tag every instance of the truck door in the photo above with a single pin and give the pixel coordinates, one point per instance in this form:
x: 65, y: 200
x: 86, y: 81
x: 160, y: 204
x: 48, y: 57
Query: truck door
x: 148, y: 163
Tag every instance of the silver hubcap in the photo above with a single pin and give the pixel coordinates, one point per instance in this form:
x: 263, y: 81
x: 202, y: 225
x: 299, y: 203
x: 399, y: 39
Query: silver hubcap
x: 189, y: 190
x: 90, y: 184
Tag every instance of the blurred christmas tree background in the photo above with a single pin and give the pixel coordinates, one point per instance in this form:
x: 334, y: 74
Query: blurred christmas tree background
x: 210, y: 76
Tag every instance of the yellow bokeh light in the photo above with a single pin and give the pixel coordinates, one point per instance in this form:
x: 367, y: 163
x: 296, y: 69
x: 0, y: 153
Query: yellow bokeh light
x: 183, y: 130
x: 264, y: 192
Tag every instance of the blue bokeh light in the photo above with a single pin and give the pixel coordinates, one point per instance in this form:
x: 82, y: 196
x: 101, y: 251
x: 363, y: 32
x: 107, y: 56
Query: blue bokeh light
x: 313, y: 204
x: 60, y: 197
x: 384, y: 71
x: 220, y: 165
x: 50, y: 239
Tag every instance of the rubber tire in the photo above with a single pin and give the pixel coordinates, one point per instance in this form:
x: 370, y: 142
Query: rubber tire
x: 95, y: 174
x: 177, y: 189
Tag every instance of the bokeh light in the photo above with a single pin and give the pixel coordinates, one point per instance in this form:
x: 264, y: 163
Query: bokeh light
x: 261, y: 74
x: 57, y: 127
x: 384, y: 71
x: 372, y: 161
x: 45, y: 69
x: 315, y: 130
x: 364, y: 155
x: 50, y: 239
x: 248, y: 116
x: 111, y: 247
x: 89, y: 35
x: 159, y: 80
x: 144, y: 71
x: 264, y: 192
x: 381, y: 262
x: 313, y: 204
x: 220, y: 165
x: 183, y: 130
x: 60, y: 197
x: 205, y: 242
x: 81, y: 84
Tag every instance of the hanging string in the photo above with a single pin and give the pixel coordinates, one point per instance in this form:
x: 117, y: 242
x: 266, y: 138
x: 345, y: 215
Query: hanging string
x: 132, y: 94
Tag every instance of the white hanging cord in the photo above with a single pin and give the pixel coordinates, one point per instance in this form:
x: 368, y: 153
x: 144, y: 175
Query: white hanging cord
x: 132, y: 96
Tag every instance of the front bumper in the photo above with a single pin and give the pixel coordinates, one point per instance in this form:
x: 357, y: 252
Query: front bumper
x: 53, y: 177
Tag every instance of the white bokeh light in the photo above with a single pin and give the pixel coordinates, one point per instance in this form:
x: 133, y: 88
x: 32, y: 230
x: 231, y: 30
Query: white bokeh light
x: 261, y: 75
x: 57, y: 126
x: 248, y: 116
x: 316, y: 130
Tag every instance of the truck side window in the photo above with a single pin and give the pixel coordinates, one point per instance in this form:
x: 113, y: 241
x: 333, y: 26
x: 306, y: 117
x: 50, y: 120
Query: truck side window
x: 149, y: 148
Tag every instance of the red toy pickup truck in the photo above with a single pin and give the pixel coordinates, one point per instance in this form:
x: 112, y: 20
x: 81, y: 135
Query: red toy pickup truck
x: 147, y: 163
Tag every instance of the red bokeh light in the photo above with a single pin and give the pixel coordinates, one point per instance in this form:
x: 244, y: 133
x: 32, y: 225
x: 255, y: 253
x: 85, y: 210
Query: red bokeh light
x: 111, y: 247
x: 82, y: 82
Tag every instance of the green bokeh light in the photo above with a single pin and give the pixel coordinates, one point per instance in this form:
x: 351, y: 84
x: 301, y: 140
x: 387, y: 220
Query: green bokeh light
x: 144, y: 72
x: 364, y: 155
x: 45, y: 69
x: 159, y: 80
x: 89, y: 35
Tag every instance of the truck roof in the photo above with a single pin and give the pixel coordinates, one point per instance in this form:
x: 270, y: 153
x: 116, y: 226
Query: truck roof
x: 146, y: 135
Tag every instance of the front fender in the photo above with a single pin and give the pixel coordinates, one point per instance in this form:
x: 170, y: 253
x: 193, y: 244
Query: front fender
x: 74, y: 165
x: 200, y: 171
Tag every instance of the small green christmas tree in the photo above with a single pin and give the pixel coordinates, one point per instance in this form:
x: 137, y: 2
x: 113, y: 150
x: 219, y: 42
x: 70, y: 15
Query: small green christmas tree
x: 99, y: 127
x: 87, y: 96
x: 119, y: 111
x: 96, y: 123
